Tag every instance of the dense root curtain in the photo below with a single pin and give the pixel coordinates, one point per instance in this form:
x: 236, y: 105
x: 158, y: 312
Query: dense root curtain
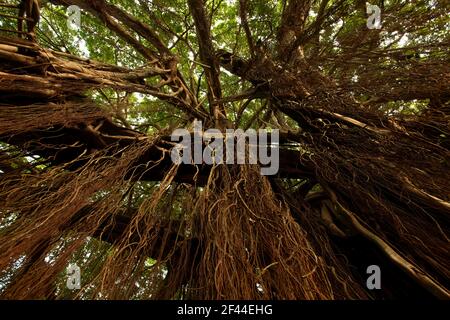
x: 234, y: 240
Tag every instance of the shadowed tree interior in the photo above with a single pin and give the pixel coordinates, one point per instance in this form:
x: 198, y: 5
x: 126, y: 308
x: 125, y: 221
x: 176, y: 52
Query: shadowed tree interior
x: 86, y: 176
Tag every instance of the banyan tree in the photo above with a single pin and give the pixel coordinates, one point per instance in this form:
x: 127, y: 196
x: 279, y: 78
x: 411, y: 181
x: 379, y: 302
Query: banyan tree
x: 88, y: 106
